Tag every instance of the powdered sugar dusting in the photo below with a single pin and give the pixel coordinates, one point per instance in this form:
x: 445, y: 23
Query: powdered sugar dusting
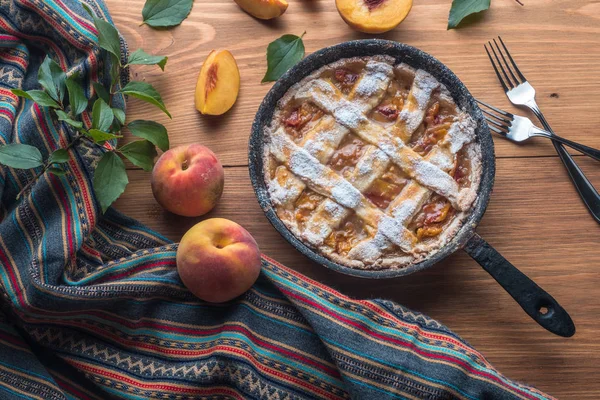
x: 348, y: 115
x: 345, y: 112
x: 308, y: 168
x: 335, y: 210
x: 390, y: 148
x: 285, y: 194
x: 389, y: 231
x: 441, y: 159
x: 322, y: 142
x: 423, y: 86
x: 375, y: 78
x: 363, y: 167
x: 305, y: 166
x: 421, y: 91
x: 277, y: 144
x: 393, y: 230
x: 461, y: 132
x: 346, y: 195
x: 316, y: 234
x: 371, y: 249
x: 314, y: 147
x: 405, y: 211
x: 436, y: 179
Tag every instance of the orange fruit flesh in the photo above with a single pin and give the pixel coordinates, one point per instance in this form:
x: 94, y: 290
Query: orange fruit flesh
x: 373, y: 16
x: 218, y: 83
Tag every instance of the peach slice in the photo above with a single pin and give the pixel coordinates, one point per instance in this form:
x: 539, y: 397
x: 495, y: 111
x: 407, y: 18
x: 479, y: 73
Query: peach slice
x: 263, y: 9
x: 218, y: 83
x: 373, y: 16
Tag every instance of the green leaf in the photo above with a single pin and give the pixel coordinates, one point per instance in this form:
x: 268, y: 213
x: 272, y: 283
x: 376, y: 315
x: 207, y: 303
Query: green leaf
x: 39, y: 96
x: 283, y: 54
x: 119, y: 115
x: 22, y: 156
x: 110, y: 179
x: 52, y: 78
x: 108, y: 36
x: 77, y: 98
x: 57, y: 171
x: 102, y: 115
x: 145, y: 91
x: 59, y: 156
x: 152, y: 131
x: 115, y: 71
x: 100, y: 136
x: 166, y: 13
x: 141, y: 57
x: 141, y: 153
x: 101, y: 92
x: 462, y: 8
x: 63, y: 116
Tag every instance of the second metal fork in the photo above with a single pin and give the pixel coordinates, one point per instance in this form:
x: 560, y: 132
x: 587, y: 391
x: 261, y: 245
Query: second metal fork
x: 520, y: 129
x: 520, y: 92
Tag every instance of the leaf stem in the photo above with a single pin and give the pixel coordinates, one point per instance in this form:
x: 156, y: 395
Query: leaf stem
x: 32, y: 181
x: 45, y: 168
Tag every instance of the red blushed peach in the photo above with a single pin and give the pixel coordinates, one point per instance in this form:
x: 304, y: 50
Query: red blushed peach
x: 218, y: 260
x: 188, y: 180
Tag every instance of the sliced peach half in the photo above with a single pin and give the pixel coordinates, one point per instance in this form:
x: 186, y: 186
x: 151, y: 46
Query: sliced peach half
x: 263, y: 9
x: 373, y: 16
x: 218, y: 83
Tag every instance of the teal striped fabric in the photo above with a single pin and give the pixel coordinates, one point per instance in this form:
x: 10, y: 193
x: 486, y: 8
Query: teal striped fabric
x: 93, y: 308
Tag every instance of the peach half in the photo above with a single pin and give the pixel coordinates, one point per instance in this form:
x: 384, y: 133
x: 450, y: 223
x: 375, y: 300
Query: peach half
x: 373, y: 16
x: 218, y: 260
x: 218, y: 83
x: 263, y: 9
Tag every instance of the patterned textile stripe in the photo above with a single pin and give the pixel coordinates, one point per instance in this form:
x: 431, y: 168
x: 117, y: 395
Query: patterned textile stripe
x: 183, y: 337
x: 196, y: 342
x: 95, y: 307
x: 293, y: 384
x: 75, y: 391
x: 10, y: 338
x: 14, y: 55
x: 19, y: 377
x: 319, y: 302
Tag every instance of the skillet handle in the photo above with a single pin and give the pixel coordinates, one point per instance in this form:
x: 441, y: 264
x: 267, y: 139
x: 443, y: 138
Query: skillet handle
x: 532, y: 298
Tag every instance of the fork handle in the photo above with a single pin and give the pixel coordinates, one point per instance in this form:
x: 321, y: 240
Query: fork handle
x: 589, y: 151
x: 589, y: 195
x: 534, y: 300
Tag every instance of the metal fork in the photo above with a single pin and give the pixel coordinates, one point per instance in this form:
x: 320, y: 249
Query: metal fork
x: 520, y: 129
x: 521, y: 93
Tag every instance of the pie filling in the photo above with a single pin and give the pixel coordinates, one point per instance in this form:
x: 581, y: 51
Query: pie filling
x: 371, y: 163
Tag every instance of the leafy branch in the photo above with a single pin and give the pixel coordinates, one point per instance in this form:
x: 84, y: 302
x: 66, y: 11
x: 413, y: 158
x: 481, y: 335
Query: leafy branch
x: 65, y: 95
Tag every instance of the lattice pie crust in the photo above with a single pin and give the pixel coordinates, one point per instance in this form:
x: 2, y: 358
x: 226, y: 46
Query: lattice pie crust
x: 370, y: 163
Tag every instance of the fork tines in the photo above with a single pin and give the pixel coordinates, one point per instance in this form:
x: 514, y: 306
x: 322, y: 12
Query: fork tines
x: 498, y: 123
x: 508, y: 82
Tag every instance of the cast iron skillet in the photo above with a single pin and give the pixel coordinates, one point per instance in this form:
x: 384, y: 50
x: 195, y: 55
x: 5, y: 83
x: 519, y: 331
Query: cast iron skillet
x: 534, y: 300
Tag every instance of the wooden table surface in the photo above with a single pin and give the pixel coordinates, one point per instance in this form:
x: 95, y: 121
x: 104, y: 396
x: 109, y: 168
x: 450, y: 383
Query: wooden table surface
x: 535, y: 218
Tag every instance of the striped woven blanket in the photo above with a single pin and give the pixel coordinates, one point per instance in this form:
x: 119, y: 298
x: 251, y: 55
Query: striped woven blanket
x: 92, y: 306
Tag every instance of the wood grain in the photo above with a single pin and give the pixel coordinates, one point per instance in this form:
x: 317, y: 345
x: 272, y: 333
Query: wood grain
x: 535, y: 218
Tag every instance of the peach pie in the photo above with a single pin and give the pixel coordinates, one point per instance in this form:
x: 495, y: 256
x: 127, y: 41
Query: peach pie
x: 371, y: 163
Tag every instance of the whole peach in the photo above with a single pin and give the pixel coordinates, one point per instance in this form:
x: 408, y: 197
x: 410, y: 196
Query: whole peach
x: 218, y: 260
x: 188, y: 180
